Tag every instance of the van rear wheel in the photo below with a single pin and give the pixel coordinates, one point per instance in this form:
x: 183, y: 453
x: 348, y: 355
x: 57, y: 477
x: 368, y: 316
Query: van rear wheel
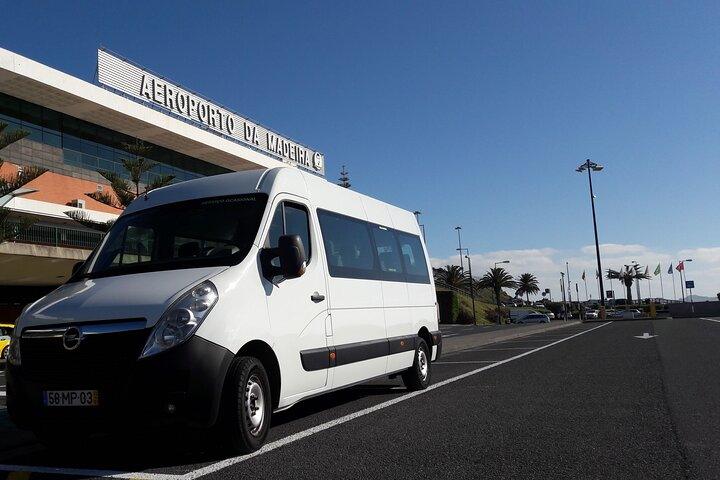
x: 417, y: 377
x: 248, y: 405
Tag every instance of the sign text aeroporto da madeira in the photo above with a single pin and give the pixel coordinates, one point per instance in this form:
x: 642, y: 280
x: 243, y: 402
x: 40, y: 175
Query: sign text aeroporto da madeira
x: 180, y: 102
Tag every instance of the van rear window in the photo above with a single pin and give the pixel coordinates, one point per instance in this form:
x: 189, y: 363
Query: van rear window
x: 355, y: 248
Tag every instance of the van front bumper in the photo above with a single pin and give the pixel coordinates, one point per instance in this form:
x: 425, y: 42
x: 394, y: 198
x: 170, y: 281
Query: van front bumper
x: 180, y: 386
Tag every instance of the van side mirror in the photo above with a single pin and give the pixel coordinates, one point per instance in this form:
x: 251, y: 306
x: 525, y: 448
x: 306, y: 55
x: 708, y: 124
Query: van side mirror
x: 291, y: 254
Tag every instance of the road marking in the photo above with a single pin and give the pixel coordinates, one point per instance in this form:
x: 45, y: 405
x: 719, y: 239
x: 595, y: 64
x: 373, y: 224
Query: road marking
x: 645, y: 336
x: 269, y: 447
x: 711, y: 320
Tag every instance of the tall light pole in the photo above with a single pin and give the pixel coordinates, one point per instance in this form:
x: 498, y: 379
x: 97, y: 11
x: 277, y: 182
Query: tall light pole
x: 497, y: 300
x: 458, y: 228
x: 592, y: 166
x: 472, y: 290
x: 562, y: 291
x: 637, y: 280
x: 682, y: 282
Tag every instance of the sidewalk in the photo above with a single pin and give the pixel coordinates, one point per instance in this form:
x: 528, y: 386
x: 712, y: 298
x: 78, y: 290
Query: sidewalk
x: 14, y: 440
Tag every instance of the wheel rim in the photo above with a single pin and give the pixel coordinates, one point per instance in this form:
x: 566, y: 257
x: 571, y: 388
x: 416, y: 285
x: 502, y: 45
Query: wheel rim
x: 423, y: 366
x: 254, y: 405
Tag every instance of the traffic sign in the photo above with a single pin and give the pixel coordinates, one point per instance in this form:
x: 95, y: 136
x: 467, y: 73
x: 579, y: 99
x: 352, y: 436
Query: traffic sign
x: 689, y: 283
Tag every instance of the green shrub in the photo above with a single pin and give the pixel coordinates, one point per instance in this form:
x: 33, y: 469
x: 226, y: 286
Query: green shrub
x: 448, y: 306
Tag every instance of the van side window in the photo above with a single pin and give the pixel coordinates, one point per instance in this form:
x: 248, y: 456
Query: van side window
x: 348, y: 246
x: 358, y: 249
x: 290, y: 219
x: 388, y: 252
x: 413, y: 257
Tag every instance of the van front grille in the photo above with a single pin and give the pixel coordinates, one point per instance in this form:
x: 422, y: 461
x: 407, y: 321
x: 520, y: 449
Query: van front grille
x: 99, y: 358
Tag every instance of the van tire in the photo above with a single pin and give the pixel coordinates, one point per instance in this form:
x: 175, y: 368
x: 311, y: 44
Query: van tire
x: 417, y: 377
x: 248, y: 406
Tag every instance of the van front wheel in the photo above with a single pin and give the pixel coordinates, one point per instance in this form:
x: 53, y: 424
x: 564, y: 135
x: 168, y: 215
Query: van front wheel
x: 417, y: 377
x: 248, y: 405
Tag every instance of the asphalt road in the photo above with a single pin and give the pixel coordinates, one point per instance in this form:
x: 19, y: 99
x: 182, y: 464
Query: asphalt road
x: 585, y: 401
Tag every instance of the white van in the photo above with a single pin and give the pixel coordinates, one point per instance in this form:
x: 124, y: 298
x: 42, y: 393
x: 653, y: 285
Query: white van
x: 220, y: 300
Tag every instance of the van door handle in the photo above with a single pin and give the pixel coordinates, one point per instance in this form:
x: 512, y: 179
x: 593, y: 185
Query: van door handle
x: 316, y: 297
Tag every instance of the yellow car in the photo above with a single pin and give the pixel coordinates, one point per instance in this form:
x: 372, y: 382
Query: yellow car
x: 6, y: 331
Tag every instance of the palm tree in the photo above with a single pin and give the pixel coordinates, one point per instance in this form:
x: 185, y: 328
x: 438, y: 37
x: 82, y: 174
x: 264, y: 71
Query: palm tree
x: 136, y: 167
x: 527, y: 284
x: 452, y: 275
x: 627, y: 276
x: 497, y: 279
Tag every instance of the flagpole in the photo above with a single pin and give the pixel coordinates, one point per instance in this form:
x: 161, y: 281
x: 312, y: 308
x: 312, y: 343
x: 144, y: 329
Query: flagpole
x: 672, y: 272
x: 586, y: 294
x: 662, y: 290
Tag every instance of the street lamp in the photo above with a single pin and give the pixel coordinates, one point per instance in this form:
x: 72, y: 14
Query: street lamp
x: 472, y: 290
x: 637, y: 281
x: 504, y: 261
x: 460, y: 247
x: 682, y: 282
x: 592, y: 166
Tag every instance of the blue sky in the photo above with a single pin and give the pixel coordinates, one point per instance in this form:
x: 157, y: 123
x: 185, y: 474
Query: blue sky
x: 476, y: 113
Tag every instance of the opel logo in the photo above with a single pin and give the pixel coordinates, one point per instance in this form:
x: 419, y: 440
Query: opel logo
x: 72, y: 338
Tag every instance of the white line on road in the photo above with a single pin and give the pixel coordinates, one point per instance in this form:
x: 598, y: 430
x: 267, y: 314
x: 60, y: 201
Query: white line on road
x: 711, y: 319
x: 216, y: 467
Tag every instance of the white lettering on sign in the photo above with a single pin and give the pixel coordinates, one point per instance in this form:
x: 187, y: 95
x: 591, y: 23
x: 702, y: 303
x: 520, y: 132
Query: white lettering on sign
x: 130, y: 79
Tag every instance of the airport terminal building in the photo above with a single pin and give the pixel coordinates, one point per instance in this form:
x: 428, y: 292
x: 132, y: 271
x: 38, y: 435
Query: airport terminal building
x: 77, y: 128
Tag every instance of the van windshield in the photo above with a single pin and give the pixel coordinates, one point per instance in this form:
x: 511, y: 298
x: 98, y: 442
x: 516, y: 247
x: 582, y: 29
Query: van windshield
x: 196, y: 233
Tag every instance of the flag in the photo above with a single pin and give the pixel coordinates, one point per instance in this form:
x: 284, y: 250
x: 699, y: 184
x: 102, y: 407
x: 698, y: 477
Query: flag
x: 670, y: 272
x: 657, y: 270
x: 646, y: 270
x: 680, y: 267
x: 583, y: 275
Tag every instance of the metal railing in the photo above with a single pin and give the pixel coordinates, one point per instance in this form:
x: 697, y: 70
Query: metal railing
x: 51, y: 235
x: 447, y: 286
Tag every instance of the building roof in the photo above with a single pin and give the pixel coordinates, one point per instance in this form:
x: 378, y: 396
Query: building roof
x: 59, y: 191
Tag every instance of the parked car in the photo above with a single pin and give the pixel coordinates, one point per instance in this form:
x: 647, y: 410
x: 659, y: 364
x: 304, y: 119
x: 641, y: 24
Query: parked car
x: 550, y: 315
x: 6, y: 331
x: 534, y: 318
x: 592, y: 314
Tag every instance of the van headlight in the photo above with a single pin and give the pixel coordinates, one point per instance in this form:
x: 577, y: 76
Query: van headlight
x: 182, y: 319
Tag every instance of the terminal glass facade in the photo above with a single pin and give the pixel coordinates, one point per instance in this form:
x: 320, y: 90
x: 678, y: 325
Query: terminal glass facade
x: 89, y: 147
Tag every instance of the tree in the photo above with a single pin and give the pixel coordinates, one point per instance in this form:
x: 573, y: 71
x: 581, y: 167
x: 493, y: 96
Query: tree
x: 452, y: 275
x: 344, y: 179
x: 527, y: 284
x: 497, y: 279
x: 10, y: 183
x: 136, y: 167
x: 627, y: 277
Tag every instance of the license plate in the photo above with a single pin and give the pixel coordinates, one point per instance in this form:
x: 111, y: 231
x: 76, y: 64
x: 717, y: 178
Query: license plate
x: 71, y: 398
